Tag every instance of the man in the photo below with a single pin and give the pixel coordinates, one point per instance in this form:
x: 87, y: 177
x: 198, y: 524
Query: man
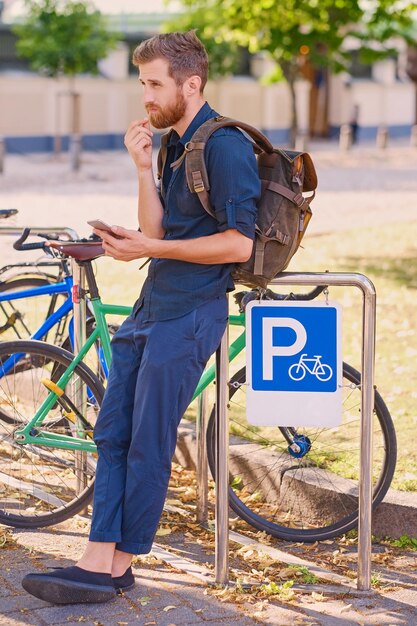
x: 160, y: 351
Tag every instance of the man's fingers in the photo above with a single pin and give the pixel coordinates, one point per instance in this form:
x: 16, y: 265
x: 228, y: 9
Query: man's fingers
x: 143, y: 142
x: 144, y: 123
x: 138, y: 141
x: 138, y: 127
x: 122, y: 232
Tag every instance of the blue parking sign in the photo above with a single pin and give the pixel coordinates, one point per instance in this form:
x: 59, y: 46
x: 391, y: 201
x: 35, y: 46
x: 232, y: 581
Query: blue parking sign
x: 294, y: 364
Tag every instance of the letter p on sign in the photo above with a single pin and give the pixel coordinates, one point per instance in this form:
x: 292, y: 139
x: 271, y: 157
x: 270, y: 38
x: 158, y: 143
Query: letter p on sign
x: 268, y: 348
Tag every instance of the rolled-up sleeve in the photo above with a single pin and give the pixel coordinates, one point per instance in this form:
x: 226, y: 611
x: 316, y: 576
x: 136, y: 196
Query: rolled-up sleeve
x: 234, y: 182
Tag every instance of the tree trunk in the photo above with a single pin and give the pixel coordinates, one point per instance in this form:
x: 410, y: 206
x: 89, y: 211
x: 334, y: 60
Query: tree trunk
x: 75, y: 138
x: 290, y: 71
x: 415, y: 104
x: 411, y: 70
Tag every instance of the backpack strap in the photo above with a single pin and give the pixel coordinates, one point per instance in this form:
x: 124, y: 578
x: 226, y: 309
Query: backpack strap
x: 195, y: 166
x: 296, y: 198
x: 162, y: 154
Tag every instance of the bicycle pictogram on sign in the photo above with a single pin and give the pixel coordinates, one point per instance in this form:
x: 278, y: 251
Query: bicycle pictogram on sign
x: 313, y: 366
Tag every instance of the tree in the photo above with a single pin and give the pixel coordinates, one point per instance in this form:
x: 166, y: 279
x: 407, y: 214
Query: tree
x: 300, y: 36
x: 222, y: 49
x: 64, y: 38
x: 412, y: 73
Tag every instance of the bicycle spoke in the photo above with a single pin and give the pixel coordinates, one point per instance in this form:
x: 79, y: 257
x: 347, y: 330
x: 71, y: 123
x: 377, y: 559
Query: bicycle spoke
x: 312, y: 493
x: 40, y: 484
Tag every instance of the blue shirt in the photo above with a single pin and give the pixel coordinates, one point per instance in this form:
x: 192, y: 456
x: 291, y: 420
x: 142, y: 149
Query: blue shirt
x: 174, y: 288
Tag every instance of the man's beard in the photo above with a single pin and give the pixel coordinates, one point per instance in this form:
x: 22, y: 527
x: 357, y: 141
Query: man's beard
x: 170, y: 115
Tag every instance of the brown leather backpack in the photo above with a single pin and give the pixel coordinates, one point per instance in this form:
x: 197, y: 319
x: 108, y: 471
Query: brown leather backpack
x: 283, y: 212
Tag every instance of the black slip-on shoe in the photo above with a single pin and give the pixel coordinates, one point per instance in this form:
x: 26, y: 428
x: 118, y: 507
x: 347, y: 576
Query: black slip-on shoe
x: 125, y: 582
x: 70, y: 585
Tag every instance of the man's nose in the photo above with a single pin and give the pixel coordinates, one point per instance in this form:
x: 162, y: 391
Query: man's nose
x: 148, y: 97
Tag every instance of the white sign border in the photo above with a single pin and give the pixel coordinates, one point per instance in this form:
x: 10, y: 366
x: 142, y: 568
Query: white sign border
x: 292, y: 408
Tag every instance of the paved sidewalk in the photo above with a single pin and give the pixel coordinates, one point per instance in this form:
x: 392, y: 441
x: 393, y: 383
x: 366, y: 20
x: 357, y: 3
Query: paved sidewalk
x: 164, y: 596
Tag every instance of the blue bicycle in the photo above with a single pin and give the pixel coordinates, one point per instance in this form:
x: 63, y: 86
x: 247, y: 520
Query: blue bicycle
x: 40, y: 307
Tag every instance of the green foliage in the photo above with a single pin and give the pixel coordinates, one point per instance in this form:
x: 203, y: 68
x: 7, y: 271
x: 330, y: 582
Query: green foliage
x: 292, y: 32
x: 405, y: 542
x: 283, y: 592
x: 304, y: 573
x: 223, y: 51
x: 64, y: 37
x: 237, y: 483
x: 300, y: 36
x: 376, y: 581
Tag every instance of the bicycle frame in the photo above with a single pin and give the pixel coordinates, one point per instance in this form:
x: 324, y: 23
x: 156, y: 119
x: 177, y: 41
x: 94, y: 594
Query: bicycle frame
x: 30, y: 433
x: 63, y: 287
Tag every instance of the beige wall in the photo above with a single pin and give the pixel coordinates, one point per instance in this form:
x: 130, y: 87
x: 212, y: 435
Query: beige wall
x: 379, y: 103
x: 31, y: 105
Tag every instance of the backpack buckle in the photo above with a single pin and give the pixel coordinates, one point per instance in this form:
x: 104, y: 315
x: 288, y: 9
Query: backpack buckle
x: 198, y: 182
x: 299, y: 200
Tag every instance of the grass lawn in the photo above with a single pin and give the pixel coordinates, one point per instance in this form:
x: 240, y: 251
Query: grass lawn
x: 387, y: 255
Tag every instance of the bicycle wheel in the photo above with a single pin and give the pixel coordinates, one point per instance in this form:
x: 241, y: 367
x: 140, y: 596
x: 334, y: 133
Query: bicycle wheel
x: 41, y: 485
x: 19, y: 319
x: 313, y: 497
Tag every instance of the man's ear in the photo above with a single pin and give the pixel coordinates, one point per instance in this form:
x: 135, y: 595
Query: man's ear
x: 192, y: 85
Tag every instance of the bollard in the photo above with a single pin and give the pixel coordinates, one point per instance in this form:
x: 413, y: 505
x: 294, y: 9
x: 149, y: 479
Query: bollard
x: 301, y: 141
x: 2, y: 153
x: 75, y: 152
x: 382, y: 137
x: 345, y: 137
x: 413, y: 136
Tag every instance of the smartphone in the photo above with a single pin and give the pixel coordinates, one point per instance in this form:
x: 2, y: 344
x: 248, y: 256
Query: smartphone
x: 103, y: 226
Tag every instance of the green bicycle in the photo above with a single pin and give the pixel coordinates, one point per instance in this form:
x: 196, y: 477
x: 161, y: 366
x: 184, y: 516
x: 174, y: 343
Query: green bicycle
x: 296, y: 484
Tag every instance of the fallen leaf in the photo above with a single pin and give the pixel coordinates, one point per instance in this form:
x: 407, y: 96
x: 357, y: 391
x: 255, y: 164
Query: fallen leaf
x: 346, y: 608
x: 161, y: 532
x: 169, y: 608
x: 318, y: 597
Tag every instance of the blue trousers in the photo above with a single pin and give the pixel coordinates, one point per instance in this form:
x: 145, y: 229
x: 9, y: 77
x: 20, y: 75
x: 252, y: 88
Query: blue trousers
x: 155, y: 370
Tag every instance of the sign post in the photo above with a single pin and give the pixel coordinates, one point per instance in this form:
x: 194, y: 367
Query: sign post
x: 367, y: 404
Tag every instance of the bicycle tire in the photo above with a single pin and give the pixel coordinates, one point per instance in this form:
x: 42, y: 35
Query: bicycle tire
x: 26, y: 315
x: 300, y: 499
x: 39, y: 483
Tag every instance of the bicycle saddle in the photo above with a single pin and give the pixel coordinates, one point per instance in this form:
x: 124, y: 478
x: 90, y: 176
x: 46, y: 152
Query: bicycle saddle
x: 79, y: 250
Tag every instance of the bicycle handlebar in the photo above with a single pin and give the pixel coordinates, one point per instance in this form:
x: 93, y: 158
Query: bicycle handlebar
x: 242, y: 298
x: 5, y: 213
x: 20, y: 245
x: 41, y: 245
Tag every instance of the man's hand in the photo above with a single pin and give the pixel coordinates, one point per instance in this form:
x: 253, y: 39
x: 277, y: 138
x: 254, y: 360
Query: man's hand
x: 134, y: 245
x: 138, y: 141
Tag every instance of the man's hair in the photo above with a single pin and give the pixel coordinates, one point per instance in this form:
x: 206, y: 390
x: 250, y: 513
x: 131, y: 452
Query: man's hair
x: 184, y: 52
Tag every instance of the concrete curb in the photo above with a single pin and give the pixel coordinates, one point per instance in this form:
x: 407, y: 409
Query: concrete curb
x: 395, y: 516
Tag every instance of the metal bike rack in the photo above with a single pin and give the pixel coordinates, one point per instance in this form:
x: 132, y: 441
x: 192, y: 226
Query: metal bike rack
x: 79, y: 391
x: 68, y: 233
x: 367, y: 404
